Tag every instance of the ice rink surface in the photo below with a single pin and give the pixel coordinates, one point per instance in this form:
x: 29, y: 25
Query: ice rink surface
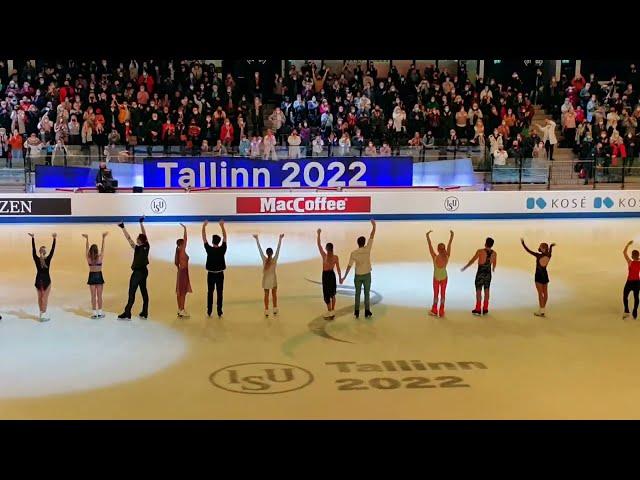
x: 581, y: 361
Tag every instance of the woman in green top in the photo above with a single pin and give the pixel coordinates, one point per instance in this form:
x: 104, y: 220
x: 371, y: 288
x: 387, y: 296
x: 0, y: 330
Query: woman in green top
x: 440, y: 261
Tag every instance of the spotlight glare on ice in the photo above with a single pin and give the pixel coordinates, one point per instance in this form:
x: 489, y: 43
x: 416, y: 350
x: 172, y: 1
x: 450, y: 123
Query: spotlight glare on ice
x: 242, y: 251
x: 410, y: 284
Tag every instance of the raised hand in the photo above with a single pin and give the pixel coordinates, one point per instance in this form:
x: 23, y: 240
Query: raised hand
x: 319, y: 231
x: 255, y: 235
x: 84, y: 235
x: 281, y: 236
x: 553, y: 244
x: 451, y: 232
x: 629, y: 243
x: 182, y: 225
x: 31, y: 235
x: 221, y: 222
x: 142, y: 219
x: 429, y: 232
x: 373, y: 222
x: 54, y: 235
x: 104, y: 234
x: 121, y: 224
x: 206, y: 222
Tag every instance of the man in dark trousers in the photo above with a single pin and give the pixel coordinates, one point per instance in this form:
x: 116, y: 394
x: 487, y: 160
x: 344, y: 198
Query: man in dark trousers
x: 139, y: 272
x: 215, y: 266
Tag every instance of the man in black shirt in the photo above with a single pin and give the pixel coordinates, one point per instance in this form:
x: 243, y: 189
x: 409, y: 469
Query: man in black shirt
x: 139, y: 272
x: 215, y: 266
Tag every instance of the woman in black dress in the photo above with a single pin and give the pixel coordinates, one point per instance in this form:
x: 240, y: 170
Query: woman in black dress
x: 543, y: 257
x: 43, y: 279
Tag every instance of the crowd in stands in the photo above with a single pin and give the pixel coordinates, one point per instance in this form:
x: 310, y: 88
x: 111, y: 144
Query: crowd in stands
x: 190, y: 105
x: 599, y: 119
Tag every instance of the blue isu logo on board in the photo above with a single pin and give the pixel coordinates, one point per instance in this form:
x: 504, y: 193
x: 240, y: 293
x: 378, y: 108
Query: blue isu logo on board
x: 598, y: 202
x: 533, y: 202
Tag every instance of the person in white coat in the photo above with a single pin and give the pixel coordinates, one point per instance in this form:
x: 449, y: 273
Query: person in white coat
x: 294, y: 141
x: 548, y: 136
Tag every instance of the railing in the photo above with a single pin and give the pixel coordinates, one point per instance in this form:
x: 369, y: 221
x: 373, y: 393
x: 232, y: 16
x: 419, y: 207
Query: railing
x: 120, y: 154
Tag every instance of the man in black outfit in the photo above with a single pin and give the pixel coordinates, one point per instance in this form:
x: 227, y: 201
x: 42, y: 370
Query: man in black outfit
x: 215, y: 266
x: 139, y: 272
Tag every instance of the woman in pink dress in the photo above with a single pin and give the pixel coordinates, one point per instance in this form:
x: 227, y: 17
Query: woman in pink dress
x: 183, y: 285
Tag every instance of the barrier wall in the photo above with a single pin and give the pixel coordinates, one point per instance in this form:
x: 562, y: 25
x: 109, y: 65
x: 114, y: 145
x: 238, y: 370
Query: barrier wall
x: 397, y: 204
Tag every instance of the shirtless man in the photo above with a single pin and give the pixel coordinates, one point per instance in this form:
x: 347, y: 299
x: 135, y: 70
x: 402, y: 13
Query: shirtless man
x: 440, y: 261
x: 329, y: 261
x: 487, y: 258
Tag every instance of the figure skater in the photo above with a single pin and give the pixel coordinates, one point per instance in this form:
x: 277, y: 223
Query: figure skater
x: 43, y: 279
x: 440, y: 261
x: 487, y: 259
x: 183, y: 285
x: 329, y: 262
x: 362, y: 278
x: 96, y: 280
x: 215, y: 266
x: 543, y: 257
x: 139, y: 272
x: 269, y: 278
x: 633, y: 281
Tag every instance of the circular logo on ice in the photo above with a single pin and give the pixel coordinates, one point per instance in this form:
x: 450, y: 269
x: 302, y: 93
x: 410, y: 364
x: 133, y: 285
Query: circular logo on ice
x: 451, y: 204
x: 158, y: 205
x: 261, y: 378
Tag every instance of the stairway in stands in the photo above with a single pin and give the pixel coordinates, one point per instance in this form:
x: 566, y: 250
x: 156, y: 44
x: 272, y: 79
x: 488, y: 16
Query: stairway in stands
x: 12, y: 180
x: 562, y: 173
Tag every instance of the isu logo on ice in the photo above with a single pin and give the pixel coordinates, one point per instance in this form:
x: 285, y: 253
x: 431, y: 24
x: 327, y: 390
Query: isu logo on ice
x: 303, y: 204
x: 261, y: 378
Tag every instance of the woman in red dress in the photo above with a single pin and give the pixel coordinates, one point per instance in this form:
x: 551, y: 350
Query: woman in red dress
x: 183, y: 285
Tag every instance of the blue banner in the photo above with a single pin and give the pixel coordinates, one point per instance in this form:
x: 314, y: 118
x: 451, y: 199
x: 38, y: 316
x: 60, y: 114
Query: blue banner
x: 201, y: 172
x: 65, y: 177
x: 128, y: 175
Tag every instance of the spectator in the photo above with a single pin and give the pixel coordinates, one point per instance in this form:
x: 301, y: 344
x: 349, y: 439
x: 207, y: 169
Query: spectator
x: 219, y: 149
x: 345, y: 144
x: 256, y: 147
x: 59, y: 153
x: 294, y: 142
x: 569, y: 126
x: 244, y: 147
x: 500, y: 156
x: 15, y: 143
x: 269, y: 145
x: 385, y: 150
x: 317, y: 146
x: 226, y: 134
x: 370, y: 150
x: 4, y: 145
x: 548, y: 136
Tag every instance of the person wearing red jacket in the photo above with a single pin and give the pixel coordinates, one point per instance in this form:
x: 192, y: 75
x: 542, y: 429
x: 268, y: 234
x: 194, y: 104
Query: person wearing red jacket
x: 148, y: 81
x: 618, y: 151
x: 66, y: 92
x: 226, y: 133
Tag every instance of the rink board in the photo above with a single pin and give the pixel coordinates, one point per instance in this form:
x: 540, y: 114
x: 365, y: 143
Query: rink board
x: 313, y: 205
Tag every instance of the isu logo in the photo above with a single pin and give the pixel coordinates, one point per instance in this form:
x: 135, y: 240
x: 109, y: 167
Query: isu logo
x: 451, y: 204
x: 158, y: 205
x: 261, y: 378
x: 303, y: 204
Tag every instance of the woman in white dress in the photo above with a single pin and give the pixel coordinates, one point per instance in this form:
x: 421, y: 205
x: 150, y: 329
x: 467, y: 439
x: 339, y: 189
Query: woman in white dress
x: 269, y: 278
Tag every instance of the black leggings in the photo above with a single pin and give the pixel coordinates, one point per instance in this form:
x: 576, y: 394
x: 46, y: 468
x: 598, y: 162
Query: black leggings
x: 215, y: 281
x: 138, y: 279
x: 631, y: 286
